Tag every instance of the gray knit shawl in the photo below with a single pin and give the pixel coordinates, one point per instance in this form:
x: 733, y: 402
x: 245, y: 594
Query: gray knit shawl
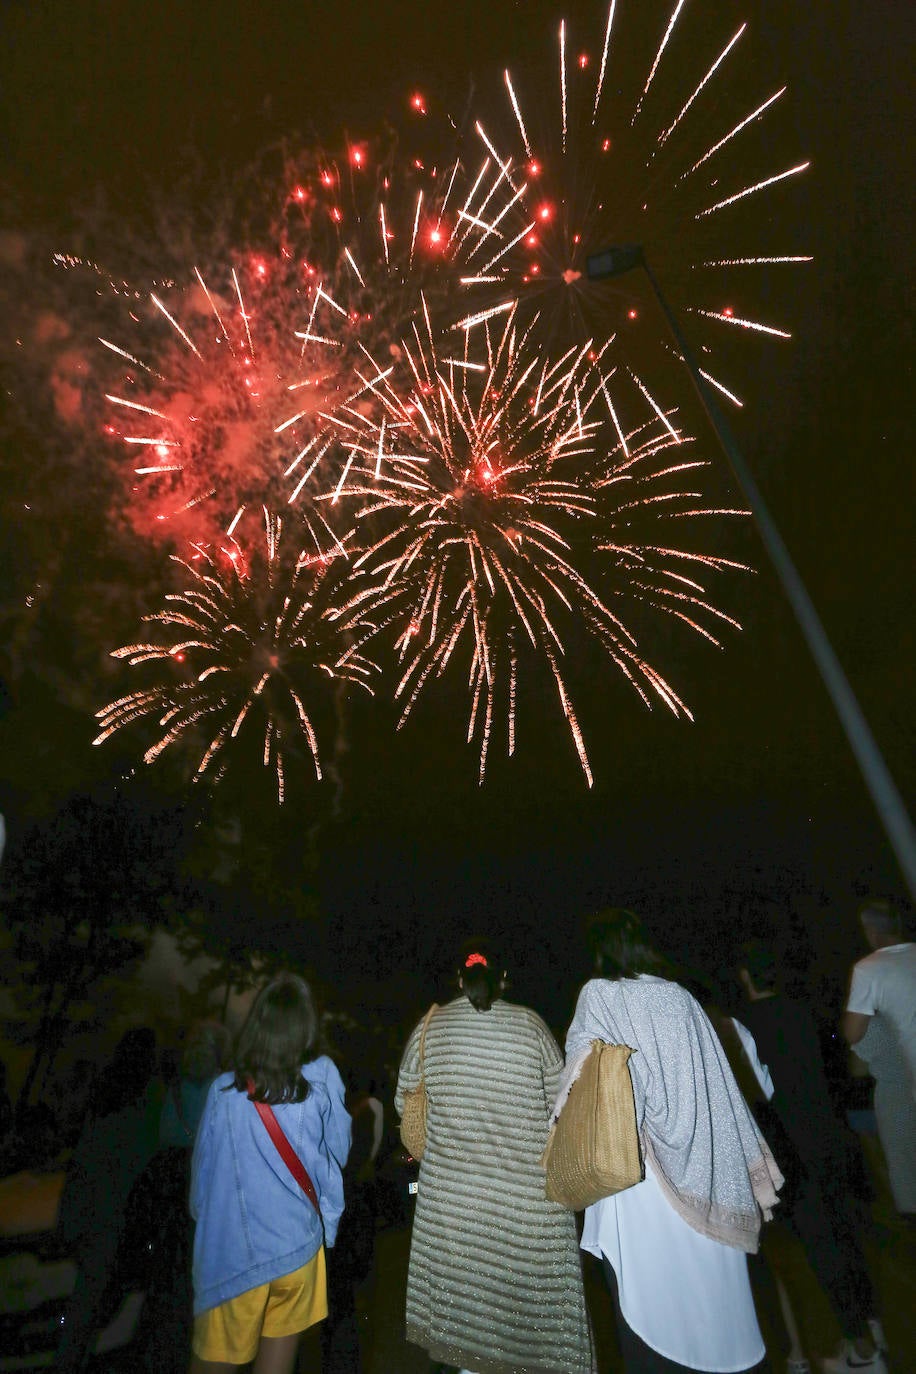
x: 696, y: 1129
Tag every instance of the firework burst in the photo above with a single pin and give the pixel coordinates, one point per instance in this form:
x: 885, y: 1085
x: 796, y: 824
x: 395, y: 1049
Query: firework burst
x: 242, y: 653
x: 477, y: 467
x: 421, y: 355
x: 226, y: 402
x: 237, y: 375
x: 622, y: 154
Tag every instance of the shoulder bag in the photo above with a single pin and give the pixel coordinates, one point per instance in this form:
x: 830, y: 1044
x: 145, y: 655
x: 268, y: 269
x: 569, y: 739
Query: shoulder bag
x: 593, y: 1148
x: 413, y: 1115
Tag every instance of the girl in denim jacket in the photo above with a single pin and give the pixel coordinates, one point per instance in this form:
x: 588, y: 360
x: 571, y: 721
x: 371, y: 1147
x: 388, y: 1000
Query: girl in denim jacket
x: 259, y: 1263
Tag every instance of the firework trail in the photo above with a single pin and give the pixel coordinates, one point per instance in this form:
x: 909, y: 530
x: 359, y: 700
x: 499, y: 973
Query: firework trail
x: 650, y: 502
x: 244, y: 651
x: 629, y: 153
x: 476, y: 464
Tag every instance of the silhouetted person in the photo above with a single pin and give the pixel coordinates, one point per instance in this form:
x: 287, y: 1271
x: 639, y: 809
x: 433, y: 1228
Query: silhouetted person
x: 351, y: 1258
x: 158, y: 1205
x: 780, y: 1038
x: 116, y: 1143
x: 206, y: 1053
x: 883, y: 990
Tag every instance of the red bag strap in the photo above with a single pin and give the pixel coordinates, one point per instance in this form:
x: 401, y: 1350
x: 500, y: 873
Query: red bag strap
x: 285, y: 1150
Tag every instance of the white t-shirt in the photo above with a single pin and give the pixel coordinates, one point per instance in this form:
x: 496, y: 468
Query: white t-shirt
x: 685, y: 1295
x: 884, y: 984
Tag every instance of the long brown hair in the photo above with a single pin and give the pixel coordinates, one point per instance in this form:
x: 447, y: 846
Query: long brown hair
x: 279, y: 1036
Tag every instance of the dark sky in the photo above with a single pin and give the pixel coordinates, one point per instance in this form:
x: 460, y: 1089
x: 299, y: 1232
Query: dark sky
x: 760, y: 795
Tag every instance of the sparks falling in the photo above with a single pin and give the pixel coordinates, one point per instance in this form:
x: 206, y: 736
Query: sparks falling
x: 223, y: 403
x: 477, y: 466
x: 616, y: 158
x: 243, y: 652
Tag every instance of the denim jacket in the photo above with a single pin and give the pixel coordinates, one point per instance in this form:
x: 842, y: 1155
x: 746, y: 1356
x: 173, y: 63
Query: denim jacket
x: 254, y: 1223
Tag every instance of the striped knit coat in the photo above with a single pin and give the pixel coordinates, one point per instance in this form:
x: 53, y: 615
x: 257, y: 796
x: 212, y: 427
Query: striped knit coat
x: 495, y: 1280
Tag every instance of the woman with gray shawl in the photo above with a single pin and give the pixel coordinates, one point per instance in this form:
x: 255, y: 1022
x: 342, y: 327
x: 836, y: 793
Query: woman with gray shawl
x: 674, y: 1246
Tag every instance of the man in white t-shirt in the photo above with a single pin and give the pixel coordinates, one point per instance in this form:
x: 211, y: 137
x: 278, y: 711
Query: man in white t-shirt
x: 880, y: 1025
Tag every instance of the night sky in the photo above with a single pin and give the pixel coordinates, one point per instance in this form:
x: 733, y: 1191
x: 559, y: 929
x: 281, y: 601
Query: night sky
x: 758, y: 806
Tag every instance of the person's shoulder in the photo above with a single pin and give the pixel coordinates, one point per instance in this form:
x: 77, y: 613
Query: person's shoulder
x: 598, y: 992
x: 523, y: 1015
x: 219, y: 1094
x: 455, y: 1006
x: 597, y: 988
x: 648, y: 987
x: 875, y: 959
x: 906, y: 949
x: 891, y: 959
x: 666, y: 989
x: 321, y: 1069
x: 663, y: 996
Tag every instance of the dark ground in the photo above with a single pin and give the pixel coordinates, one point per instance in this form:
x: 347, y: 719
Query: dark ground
x: 891, y: 1251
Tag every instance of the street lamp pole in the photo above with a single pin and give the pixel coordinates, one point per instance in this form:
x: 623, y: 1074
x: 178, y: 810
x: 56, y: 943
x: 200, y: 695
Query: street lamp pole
x: 612, y: 262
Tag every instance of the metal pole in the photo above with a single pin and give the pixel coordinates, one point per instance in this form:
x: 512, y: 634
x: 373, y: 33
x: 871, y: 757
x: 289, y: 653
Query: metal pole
x: 887, y: 799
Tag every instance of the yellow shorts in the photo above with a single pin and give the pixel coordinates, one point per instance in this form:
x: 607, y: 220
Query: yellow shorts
x: 283, y: 1307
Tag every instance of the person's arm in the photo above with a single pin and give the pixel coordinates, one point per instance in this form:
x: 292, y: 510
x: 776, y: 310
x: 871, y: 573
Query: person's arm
x: 551, y: 1057
x: 587, y: 1025
x: 749, y: 1047
x: 854, y: 1025
x: 860, y: 1005
x: 338, y: 1127
x: 327, y: 1164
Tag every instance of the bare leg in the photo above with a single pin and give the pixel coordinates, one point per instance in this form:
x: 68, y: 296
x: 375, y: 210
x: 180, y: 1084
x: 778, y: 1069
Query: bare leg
x: 795, y: 1346
x: 277, y: 1354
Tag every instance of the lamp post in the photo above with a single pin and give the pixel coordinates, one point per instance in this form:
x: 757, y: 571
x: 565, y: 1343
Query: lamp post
x: 614, y: 262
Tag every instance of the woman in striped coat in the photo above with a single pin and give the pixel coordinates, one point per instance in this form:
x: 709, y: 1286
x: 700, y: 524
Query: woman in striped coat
x: 495, y: 1281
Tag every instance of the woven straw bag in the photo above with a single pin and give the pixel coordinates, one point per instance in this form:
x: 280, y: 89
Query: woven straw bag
x: 413, y: 1115
x: 593, y: 1149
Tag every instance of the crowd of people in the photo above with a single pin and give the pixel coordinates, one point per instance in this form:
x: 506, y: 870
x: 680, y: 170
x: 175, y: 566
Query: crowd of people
x: 248, y: 1175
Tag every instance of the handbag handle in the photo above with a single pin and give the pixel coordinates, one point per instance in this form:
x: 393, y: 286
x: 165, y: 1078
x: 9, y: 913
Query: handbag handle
x: 285, y: 1150
x: 426, y: 1020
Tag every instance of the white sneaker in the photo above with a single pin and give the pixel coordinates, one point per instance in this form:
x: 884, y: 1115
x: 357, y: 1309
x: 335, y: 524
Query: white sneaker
x: 848, y: 1362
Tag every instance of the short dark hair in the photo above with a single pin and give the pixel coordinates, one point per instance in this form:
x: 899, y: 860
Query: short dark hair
x: 481, y: 972
x: 622, y: 947
x: 881, y: 916
x: 279, y: 1036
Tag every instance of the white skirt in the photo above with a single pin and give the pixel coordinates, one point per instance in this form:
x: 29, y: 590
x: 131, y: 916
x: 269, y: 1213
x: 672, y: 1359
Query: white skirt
x: 685, y: 1295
